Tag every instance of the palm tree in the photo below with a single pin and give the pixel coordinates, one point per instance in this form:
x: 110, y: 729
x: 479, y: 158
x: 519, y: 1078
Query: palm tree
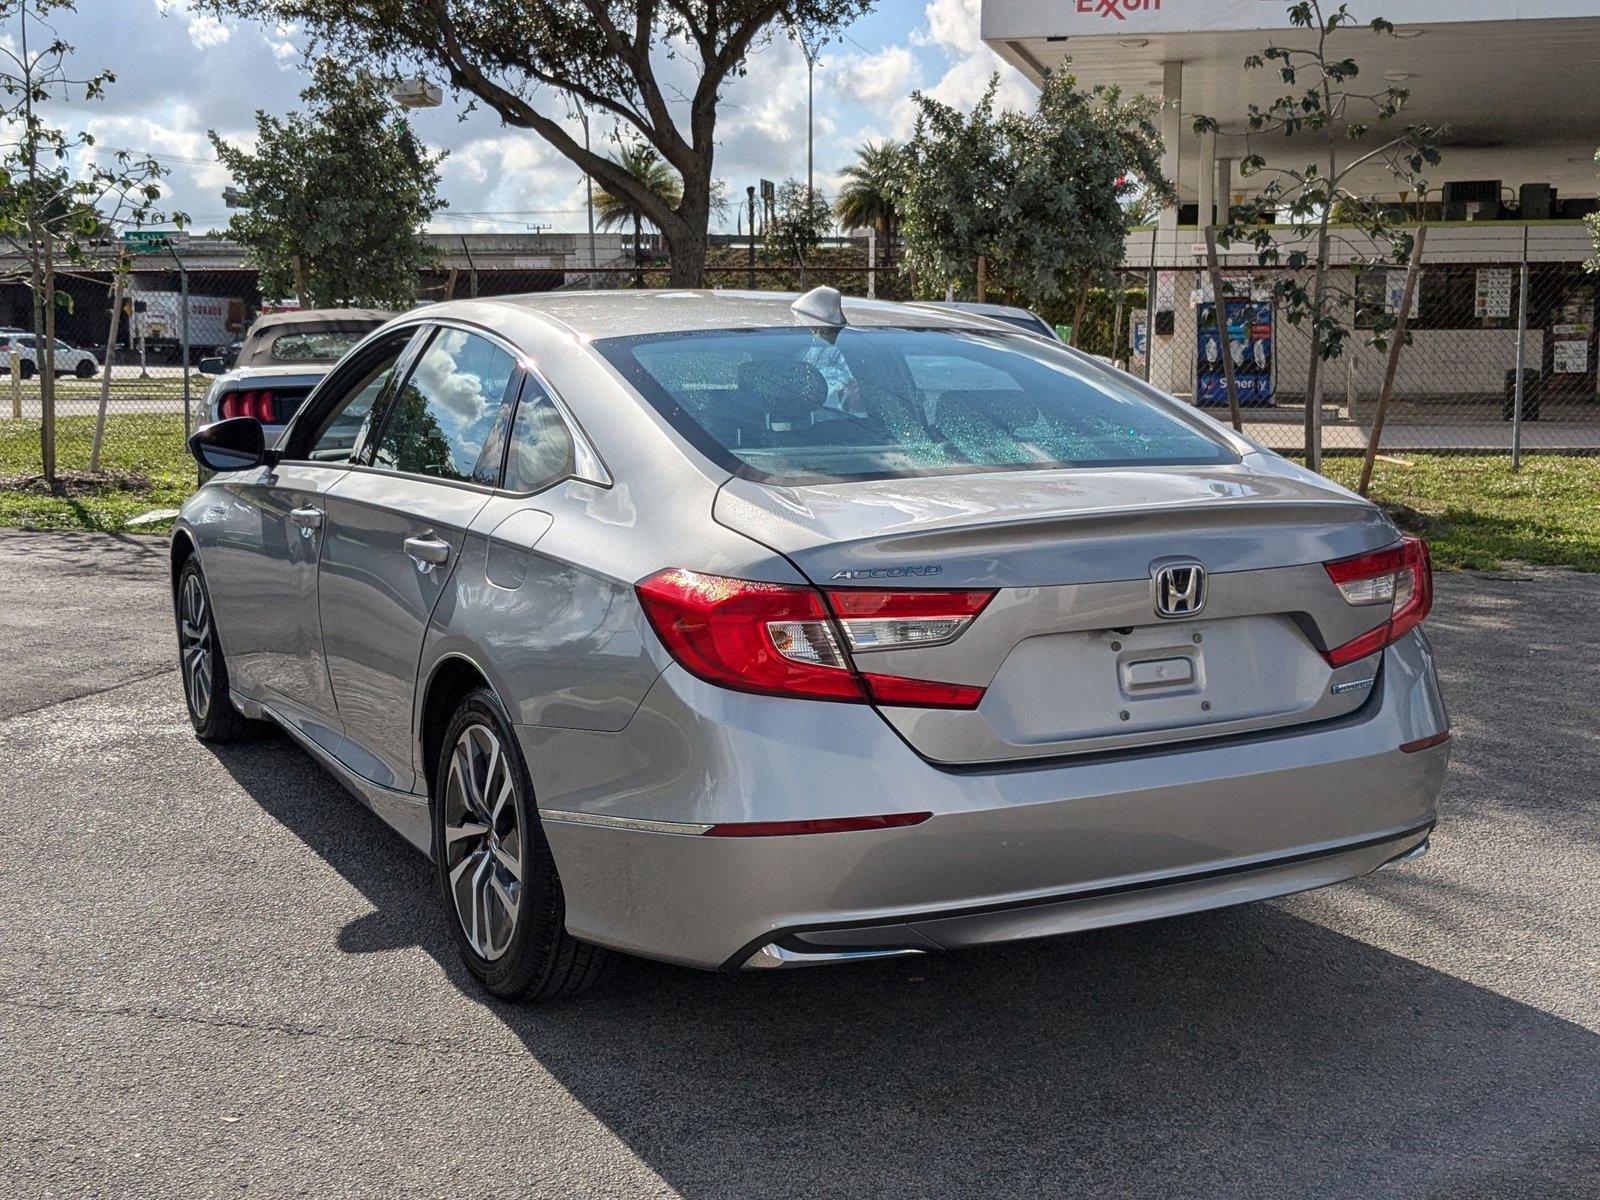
x: 869, y: 192
x: 657, y: 175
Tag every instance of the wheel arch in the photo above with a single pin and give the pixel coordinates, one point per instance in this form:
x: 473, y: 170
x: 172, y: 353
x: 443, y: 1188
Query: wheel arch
x: 452, y: 678
x: 183, y: 548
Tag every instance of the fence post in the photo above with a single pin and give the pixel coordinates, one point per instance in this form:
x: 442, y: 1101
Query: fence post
x: 1394, y: 360
x: 1150, y: 311
x: 16, y: 385
x: 872, y: 262
x: 1522, y: 359
x: 1116, y: 321
x: 183, y: 331
x: 1219, y: 305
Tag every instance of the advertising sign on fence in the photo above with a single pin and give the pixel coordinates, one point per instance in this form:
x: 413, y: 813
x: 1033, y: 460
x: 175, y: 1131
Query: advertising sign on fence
x: 1493, y: 302
x: 1250, y: 341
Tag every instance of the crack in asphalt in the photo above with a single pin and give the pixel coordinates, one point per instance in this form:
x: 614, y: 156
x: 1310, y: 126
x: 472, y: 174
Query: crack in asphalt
x: 287, y: 1028
x: 92, y: 692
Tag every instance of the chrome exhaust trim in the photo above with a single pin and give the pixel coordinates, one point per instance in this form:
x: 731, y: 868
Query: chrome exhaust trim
x: 775, y: 957
x: 1420, y: 850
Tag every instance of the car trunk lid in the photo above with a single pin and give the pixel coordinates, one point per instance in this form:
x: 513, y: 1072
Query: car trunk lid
x: 1072, y: 652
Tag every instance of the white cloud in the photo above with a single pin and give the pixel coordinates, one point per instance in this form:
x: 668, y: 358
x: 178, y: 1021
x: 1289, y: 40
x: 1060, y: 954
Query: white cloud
x: 875, y: 78
x: 955, y: 27
x: 205, y: 30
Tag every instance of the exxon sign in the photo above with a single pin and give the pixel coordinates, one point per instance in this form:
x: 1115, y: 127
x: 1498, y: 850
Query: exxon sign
x: 1117, y: 9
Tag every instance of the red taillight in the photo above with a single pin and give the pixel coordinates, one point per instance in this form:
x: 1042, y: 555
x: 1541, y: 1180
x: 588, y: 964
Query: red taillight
x: 1400, y: 578
x: 260, y: 405
x: 781, y: 640
x: 825, y: 825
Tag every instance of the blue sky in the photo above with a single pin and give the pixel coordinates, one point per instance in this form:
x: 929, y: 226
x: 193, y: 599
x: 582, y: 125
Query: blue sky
x: 179, y: 74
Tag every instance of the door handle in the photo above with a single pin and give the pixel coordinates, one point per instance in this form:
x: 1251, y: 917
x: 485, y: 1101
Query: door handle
x: 309, y: 520
x: 427, y: 552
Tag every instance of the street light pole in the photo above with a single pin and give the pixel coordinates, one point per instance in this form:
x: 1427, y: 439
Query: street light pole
x: 811, y: 43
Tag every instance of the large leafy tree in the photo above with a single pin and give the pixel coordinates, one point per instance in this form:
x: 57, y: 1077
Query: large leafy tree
x: 869, y: 193
x: 1043, y: 197
x: 657, y: 67
x: 335, y: 198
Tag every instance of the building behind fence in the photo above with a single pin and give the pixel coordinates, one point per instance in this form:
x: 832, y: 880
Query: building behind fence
x: 1455, y: 389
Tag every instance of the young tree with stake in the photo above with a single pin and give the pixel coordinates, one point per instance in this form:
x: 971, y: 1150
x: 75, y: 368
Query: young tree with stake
x: 55, y: 211
x: 1350, y: 130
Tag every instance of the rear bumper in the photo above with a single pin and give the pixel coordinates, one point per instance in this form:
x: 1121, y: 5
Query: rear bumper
x: 1090, y: 908
x: 1022, y: 852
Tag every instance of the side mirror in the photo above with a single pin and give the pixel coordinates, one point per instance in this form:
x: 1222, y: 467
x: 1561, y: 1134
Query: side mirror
x: 212, y: 366
x: 236, y: 444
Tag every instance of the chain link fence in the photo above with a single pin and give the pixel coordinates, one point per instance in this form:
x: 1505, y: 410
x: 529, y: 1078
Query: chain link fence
x: 1483, y: 306
x: 1487, y: 300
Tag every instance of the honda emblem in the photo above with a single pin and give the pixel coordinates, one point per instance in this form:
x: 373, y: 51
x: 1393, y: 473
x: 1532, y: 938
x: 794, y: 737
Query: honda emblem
x: 1180, y: 590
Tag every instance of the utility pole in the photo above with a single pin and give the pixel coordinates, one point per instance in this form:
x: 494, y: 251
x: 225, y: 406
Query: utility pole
x: 750, y: 193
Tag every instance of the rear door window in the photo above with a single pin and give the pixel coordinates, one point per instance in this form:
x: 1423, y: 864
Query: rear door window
x: 541, y: 449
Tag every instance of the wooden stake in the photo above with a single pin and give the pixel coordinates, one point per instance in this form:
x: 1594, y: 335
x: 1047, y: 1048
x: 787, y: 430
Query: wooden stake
x: 1412, y: 272
x: 105, y: 378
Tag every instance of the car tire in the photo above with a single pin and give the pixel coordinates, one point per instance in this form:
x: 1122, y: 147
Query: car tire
x: 28, y: 369
x: 85, y: 369
x: 511, y: 932
x: 205, y: 672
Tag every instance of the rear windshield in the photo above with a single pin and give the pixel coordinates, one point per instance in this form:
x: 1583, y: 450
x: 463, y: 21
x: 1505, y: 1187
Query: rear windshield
x: 314, y: 345
x: 795, y: 406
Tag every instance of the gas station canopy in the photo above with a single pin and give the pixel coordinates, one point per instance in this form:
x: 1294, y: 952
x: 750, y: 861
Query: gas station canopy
x: 1514, y: 83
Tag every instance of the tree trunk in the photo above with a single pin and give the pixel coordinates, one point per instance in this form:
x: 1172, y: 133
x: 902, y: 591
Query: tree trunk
x: 686, y: 235
x: 1319, y: 294
x: 1077, y: 312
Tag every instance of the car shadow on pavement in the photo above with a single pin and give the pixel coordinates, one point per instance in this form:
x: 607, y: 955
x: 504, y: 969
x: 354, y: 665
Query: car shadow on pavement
x: 1243, y: 1053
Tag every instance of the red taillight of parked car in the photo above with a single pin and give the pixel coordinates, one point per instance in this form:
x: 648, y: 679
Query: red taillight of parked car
x: 1396, y: 582
x: 258, y: 404
x: 785, y: 640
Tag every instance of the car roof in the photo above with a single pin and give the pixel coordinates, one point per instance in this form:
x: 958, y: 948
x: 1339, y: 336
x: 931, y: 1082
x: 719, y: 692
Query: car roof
x: 255, y: 348
x: 334, y: 318
x: 596, y: 315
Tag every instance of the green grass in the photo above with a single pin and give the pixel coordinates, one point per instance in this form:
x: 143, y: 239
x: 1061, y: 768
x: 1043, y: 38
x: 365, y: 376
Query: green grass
x: 1478, y: 515
x: 143, y: 456
x: 1475, y: 513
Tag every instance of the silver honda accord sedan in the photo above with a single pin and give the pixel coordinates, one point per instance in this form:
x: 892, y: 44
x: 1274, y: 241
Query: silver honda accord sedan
x: 750, y: 631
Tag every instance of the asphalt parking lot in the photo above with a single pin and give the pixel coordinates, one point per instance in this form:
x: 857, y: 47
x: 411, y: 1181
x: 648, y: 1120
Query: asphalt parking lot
x: 219, y: 974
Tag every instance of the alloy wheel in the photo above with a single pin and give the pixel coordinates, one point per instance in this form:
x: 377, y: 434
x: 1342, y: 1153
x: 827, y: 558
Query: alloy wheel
x: 483, y: 841
x: 194, y: 636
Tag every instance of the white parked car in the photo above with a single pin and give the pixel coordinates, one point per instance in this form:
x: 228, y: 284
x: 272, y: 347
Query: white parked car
x: 69, y: 360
